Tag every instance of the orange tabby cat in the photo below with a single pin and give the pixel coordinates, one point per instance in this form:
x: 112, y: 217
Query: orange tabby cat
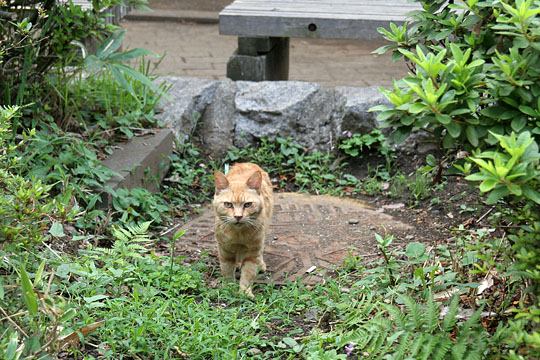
x: 243, y: 205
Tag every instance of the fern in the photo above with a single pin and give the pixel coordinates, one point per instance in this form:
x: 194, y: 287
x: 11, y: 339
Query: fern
x: 416, y: 345
x: 132, y: 233
x: 444, y: 345
x: 413, y: 331
x: 431, y: 315
x: 415, y: 317
x: 376, y: 348
x: 404, y: 345
x: 429, y: 346
x: 459, y: 349
x: 396, y: 315
x: 450, y: 319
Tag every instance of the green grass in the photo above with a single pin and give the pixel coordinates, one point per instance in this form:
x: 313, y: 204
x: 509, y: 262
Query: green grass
x: 153, y: 308
x: 294, y: 168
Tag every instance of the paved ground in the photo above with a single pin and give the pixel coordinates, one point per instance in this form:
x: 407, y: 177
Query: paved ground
x: 198, y: 50
x: 307, y: 231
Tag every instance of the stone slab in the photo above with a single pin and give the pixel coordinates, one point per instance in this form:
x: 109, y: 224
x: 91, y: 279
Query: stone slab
x: 306, y: 231
x: 141, y: 162
x: 355, y: 19
x: 182, y: 16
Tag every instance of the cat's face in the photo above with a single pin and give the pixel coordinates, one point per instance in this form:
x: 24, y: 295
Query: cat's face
x: 237, y: 203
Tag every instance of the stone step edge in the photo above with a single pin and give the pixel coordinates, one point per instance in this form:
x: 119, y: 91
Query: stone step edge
x: 143, y: 161
x: 183, y: 16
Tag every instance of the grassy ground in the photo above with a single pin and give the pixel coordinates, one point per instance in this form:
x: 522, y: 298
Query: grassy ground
x: 120, y: 296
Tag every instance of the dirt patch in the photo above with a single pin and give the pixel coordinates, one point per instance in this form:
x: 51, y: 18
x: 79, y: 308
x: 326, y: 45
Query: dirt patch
x: 310, y: 235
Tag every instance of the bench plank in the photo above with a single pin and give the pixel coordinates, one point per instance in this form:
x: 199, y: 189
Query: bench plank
x: 339, y: 19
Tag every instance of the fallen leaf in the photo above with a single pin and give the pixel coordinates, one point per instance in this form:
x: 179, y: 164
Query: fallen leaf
x: 445, y: 295
x: 485, y: 284
x: 393, y: 206
x: 73, y: 338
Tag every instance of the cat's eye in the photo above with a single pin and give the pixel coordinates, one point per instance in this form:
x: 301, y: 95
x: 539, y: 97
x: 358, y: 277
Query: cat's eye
x: 248, y: 205
x: 228, y: 205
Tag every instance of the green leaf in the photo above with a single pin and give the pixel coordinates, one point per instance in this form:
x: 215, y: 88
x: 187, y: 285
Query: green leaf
x: 476, y: 177
x: 417, y: 108
x: 130, y: 54
x: 68, y: 315
x: 454, y: 129
x: 110, y: 45
x: 488, y: 185
x: 57, y: 230
x: 497, y: 194
x: 400, y: 134
x: 177, y: 235
x: 472, y: 135
x: 290, y: 342
x: 443, y: 119
x: 91, y: 299
x: 39, y: 273
x: 414, y: 250
x: 448, y: 141
x: 515, y: 189
x: 529, y: 111
x: 2, y: 292
x: 29, y: 295
x: 518, y: 123
x: 385, y: 115
x: 378, y: 108
x: 11, y: 350
x: 531, y: 194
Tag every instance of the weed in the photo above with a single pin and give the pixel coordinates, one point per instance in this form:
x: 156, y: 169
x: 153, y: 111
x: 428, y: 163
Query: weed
x: 138, y: 204
x: 420, y: 186
x: 189, y: 181
x: 355, y: 144
x: 398, y: 186
x: 288, y: 163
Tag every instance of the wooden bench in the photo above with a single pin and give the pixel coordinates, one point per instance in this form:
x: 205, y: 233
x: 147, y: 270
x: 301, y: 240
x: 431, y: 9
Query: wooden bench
x: 264, y: 27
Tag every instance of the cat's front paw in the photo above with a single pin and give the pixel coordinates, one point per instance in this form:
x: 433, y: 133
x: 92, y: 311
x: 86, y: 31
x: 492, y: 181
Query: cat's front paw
x: 247, y: 291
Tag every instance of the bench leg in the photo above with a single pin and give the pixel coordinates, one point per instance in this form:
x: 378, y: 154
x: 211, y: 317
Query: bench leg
x: 259, y: 59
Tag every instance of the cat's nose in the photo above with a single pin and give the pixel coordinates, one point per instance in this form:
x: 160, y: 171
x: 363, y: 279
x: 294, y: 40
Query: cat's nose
x: 238, y: 217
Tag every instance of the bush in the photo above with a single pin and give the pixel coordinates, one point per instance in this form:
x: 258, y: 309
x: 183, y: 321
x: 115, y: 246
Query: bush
x: 475, y: 72
x: 37, y: 38
x: 24, y: 204
x: 475, y: 85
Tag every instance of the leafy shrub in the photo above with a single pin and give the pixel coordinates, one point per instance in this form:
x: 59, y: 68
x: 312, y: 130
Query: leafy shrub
x: 475, y: 83
x: 25, y: 206
x: 66, y: 162
x: 515, y: 171
x: 38, y: 37
x: 475, y: 72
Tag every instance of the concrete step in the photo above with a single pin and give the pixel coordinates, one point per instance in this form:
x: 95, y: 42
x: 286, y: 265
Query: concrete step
x: 141, y: 162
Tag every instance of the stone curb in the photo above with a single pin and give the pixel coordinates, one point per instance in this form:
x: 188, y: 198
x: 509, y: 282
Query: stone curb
x: 225, y: 113
x: 141, y: 162
x: 183, y: 16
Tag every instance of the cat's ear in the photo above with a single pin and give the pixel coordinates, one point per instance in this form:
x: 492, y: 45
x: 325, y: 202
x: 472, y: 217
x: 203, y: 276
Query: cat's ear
x: 220, y: 181
x: 255, y: 180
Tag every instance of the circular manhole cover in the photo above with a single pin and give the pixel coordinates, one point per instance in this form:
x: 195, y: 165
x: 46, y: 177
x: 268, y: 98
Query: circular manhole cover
x: 308, y: 233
